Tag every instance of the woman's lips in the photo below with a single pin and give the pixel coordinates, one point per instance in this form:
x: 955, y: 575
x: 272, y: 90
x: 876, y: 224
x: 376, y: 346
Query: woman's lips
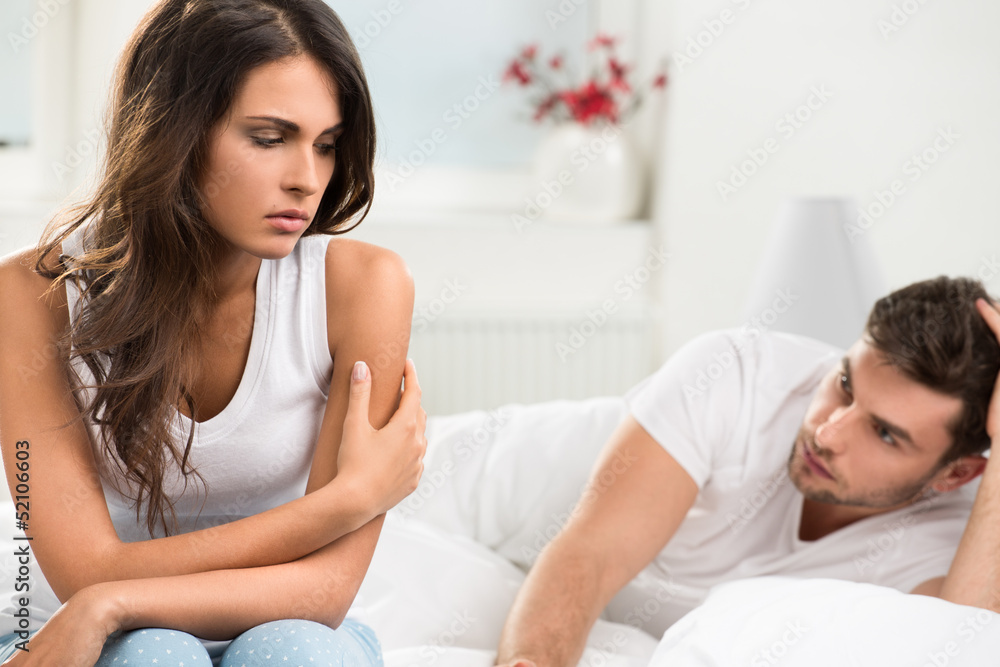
x: 285, y: 224
x: 813, y: 462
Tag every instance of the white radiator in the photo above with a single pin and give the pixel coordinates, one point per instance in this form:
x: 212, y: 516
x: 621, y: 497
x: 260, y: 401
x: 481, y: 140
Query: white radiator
x: 468, y: 362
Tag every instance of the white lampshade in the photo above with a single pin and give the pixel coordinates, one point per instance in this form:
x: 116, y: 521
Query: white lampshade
x: 822, y: 268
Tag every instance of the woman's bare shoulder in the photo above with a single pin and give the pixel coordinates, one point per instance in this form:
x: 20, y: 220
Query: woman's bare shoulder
x: 24, y: 291
x: 356, y: 268
x: 369, y: 291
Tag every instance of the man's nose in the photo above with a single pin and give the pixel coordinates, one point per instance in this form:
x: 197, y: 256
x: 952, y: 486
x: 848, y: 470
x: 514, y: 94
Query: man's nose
x: 831, y: 434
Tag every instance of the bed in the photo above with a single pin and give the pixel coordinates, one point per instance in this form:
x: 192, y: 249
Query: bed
x: 453, y: 555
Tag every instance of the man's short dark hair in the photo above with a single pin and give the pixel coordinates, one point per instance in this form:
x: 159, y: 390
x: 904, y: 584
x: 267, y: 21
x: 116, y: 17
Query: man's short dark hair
x: 933, y: 333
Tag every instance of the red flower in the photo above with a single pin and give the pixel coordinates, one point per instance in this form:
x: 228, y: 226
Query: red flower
x: 618, y: 72
x: 590, y: 102
x: 601, y: 41
x: 546, y: 106
x: 518, y: 72
x: 606, y: 95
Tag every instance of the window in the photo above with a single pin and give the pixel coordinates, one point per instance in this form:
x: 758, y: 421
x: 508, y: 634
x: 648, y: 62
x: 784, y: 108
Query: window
x: 18, y: 30
x: 438, y: 65
x: 37, y: 83
x: 450, y: 136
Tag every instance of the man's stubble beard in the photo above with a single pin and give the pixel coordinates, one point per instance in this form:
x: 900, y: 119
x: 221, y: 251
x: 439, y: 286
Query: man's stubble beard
x: 881, y: 499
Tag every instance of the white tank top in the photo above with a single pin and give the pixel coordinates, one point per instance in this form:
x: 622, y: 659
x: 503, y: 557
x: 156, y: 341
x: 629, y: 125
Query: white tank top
x: 256, y: 453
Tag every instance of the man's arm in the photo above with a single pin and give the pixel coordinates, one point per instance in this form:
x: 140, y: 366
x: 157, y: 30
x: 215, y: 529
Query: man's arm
x: 636, y: 498
x: 974, y: 575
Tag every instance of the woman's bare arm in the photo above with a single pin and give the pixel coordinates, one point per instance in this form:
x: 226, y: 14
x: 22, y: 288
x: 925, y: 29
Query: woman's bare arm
x: 73, y: 537
x: 222, y: 603
x: 322, y: 585
x: 214, y: 605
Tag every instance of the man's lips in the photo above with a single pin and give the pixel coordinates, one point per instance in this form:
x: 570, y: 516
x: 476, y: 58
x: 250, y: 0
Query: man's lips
x: 813, y: 462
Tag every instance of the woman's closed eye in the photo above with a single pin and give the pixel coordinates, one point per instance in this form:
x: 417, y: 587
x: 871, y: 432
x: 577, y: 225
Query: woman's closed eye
x: 324, y: 149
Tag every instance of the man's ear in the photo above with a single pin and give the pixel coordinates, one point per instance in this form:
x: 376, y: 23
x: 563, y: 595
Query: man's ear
x: 959, y: 472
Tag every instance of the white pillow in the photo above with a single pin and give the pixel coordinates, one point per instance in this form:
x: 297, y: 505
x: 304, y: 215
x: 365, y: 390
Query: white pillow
x: 768, y: 621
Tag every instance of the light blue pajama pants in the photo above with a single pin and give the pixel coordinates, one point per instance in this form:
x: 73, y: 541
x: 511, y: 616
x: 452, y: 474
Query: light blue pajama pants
x: 288, y: 643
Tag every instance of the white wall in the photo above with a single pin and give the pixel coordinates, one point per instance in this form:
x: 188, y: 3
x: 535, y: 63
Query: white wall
x: 889, y: 97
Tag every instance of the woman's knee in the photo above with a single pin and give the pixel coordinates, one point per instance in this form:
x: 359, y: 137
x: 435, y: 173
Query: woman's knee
x: 154, y: 646
x: 301, y: 642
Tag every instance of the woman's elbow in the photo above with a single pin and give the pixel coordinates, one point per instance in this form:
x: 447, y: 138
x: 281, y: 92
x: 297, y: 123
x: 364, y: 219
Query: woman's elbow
x: 69, y: 577
x: 329, y: 599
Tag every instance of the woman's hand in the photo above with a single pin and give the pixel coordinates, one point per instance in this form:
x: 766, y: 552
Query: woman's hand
x: 385, y: 465
x: 74, y: 636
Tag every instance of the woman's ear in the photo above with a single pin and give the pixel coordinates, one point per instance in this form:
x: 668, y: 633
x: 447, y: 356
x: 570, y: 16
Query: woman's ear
x: 959, y: 472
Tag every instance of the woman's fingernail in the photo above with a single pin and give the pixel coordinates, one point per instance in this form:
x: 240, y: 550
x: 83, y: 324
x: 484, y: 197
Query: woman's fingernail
x: 360, y: 371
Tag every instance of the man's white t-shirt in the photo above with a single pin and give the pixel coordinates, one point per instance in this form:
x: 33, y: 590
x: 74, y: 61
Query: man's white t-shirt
x: 728, y: 406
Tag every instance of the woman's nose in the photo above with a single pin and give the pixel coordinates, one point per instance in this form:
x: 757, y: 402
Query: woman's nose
x: 301, y: 175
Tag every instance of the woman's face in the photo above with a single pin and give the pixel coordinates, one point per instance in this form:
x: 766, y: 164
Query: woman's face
x: 273, y: 153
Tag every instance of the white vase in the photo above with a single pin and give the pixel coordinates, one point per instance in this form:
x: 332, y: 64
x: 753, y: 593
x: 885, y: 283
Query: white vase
x: 587, y: 173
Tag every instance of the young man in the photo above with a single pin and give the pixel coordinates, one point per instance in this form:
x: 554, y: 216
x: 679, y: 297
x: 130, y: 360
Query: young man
x: 878, y: 444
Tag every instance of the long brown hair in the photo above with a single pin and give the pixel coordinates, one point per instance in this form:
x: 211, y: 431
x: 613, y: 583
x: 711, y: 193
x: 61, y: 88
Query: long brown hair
x: 147, y: 275
x: 932, y: 332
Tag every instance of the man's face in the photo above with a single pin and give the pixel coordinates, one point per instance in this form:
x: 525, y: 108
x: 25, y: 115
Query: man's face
x: 871, y: 437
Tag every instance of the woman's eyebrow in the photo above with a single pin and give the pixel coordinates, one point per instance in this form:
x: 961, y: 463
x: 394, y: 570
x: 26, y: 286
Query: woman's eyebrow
x: 292, y: 127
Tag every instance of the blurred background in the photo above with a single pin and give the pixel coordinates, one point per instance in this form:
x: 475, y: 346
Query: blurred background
x: 802, y: 159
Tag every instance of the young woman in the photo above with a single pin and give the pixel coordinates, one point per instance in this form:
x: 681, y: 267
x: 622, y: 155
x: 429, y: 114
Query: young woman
x: 184, y: 359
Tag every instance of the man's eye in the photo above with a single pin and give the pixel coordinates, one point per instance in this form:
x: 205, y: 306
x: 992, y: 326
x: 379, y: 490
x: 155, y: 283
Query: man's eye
x: 882, y: 430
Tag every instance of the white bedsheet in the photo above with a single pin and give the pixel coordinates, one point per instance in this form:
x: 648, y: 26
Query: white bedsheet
x: 440, y: 599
